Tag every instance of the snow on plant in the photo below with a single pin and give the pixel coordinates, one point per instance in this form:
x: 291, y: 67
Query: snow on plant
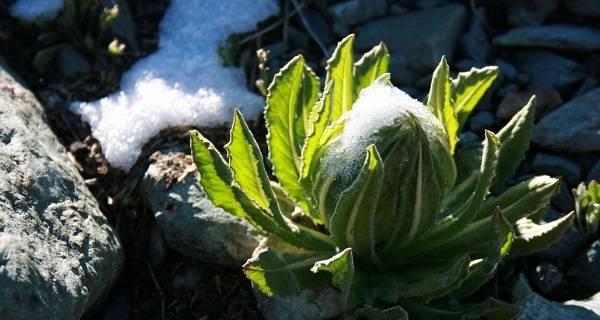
x: 373, y: 195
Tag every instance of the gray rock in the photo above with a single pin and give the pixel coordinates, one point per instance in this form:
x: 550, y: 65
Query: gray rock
x: 547, y: 99
x: 506, y: 69
x: 563, y: 37
x: 310, y: 304
x: 591, y: 303
x: 556, y: 166
x: 547, y: 277
x: 190, y: 223
x: 419, y: 37
x: 574, y: 127
x: 353, y: 12
x: 536, y: 307
x: 588, y: 8
x: 71, y: 63
x: 594, y: 173
x: 58, y: 254
x: 474, y: 43
x: 584, y: 270
x: 482, y: 120
x: 548, y: 69
x: 587, y: 85
x: 529, y: 12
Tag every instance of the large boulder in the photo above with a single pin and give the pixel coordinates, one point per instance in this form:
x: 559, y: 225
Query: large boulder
x: 58, y: 254
x: 189, y: 222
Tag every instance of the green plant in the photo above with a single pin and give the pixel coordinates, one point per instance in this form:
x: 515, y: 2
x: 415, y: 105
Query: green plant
x: 374, y: 195
x: 587, y: 208
x: 84, y: 26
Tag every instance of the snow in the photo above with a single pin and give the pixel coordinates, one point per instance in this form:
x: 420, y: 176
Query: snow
x: 378, y: 106
x: 182, y: 83
x: 31, y: 10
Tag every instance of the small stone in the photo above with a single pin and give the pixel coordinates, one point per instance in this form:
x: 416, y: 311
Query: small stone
x: 474, y: 43
x: 529, y: 12
x: 562, y: 37
x: 189, y: 222
x: 587, y: 8
x: 594, y: 173
x: 536, y: 307
x: 354, y: 12
x: 71, y: 63
x: 547, y: 99
x: 584, y: 270
x: 547, y: 277
x: 556, y: 166
x: 507, y: 70
x: 573, y: 127
x: 482, y: 120
x: 592, y: 303
x: 419, y: 37
x: 310, y: 304
x: 548, y: 69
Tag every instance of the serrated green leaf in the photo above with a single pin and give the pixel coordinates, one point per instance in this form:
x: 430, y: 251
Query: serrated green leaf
x: 370, y: 313
x: 460, y: 220
x: 533, y: 237
x: 341, y: 267
x: 246, y: 163
x: 587, y: 208
x: 423, y: 282
x: 340, y: 68
x: 291, y: 95
x: 468, y: 88
x: 440, y: 103
x: 514, y: 139
x: 499, y: 243
x: 373, y: 64
x: 283, y: 270
x: 353, y: 221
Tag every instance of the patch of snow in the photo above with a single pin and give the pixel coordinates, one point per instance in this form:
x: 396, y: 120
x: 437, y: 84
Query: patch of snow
x: 378, y: 106
x: 31, y: 10
x: 182, y: 83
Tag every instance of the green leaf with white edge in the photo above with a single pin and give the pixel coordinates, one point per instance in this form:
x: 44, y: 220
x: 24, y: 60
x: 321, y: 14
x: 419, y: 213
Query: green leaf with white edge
x: 373, y: 64
x: 499, y: 243
x: 341, y: 267
x: 279, y: 269
x: 318, y: 122
x: 353, y: 221
x: 439, y: 101
x: 424, y: 282
x: 525, y: 199
x: 370, y: 313
x: 459, y: 220
x: 533, y: 237
x: 340, y: 69
x: 287, y: 106
x: 514, y: 137
x: 215, y: 176
x: 246, y: 163
x: 468, y: 88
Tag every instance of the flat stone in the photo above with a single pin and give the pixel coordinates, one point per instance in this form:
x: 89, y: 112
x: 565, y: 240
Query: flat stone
x: 58, y: 254
x: 556, y: 166
x: 418, y: 37
x: 584, y: 270
x: 353, y: 12
x: 190, y: 223
x: 587, y: 8
x: 563, y: 37
x: 573, y: 127
x: 547, y: 99
x: 548, y: 69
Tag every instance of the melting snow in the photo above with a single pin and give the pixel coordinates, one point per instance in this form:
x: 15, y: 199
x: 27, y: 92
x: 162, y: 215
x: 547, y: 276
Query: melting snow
x: 31, y: 10
x: 378, y: 106
x: 182, y: 83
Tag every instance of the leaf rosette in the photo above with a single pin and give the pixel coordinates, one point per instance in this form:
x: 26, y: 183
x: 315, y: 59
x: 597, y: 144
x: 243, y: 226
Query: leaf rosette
x: 375, y: 196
